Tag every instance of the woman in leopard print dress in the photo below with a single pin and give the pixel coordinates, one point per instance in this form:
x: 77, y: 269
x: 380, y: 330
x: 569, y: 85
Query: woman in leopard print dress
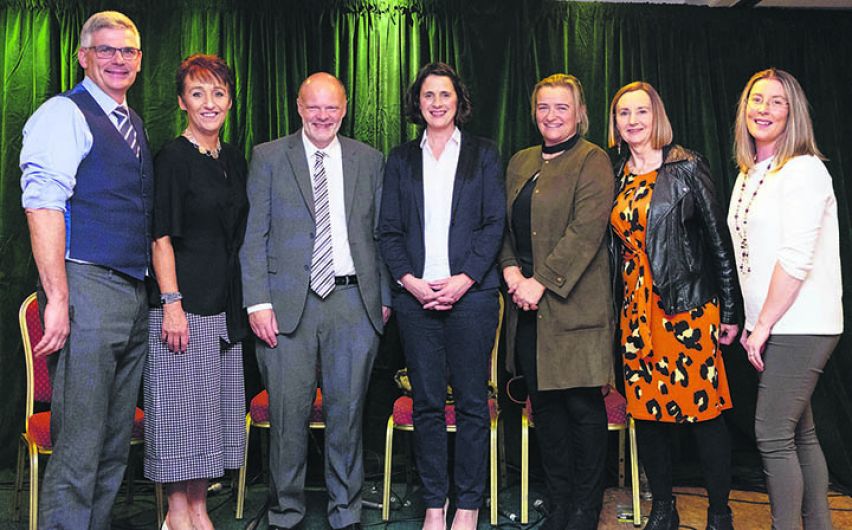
x: 673, y: 258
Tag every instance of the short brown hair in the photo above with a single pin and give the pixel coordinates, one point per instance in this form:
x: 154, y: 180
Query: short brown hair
x: 574, y: 86
x: 661, y: 127
x: 206, y: 67
x: 798, y: 136
x: 464, y: 110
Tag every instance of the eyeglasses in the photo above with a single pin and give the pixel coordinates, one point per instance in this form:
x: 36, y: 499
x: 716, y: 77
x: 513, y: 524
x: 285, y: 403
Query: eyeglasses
x: 103, y: 51
x: 777, y: 103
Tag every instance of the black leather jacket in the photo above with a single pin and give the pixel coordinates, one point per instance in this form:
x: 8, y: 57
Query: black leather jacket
x: 686, y: 239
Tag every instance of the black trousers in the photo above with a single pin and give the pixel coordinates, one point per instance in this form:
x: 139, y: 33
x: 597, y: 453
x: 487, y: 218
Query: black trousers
x: 571, y: 429
x: 714, y: 451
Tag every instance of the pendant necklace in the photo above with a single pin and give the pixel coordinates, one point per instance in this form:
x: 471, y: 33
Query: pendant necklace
x: 212, y: 153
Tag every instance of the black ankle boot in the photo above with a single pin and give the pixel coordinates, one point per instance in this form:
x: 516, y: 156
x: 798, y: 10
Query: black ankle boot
x: 663, y: 515
x: 720, y: 520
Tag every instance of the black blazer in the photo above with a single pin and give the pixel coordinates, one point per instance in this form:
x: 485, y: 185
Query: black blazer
x: 477, y: 219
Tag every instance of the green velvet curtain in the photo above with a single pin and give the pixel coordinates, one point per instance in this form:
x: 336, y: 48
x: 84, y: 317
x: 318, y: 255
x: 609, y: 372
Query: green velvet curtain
x: 698, y: 58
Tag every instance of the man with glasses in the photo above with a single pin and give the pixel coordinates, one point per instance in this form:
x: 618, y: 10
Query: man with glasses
x: 317, y: 293
x: 87, y: 188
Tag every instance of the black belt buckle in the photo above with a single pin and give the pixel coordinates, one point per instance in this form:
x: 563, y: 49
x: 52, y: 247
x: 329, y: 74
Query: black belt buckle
x: 346, y: 280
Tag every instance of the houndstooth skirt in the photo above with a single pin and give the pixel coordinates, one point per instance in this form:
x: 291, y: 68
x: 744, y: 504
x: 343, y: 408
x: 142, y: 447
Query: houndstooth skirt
x: 194, y: 402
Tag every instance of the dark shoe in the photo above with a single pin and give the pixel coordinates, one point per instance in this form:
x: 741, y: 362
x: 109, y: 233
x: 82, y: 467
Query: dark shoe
x: 297, y: 527
x: 353, y: 526
x: 663, y: 515
x: 723, y: 520
x: 558, y: 518
x: 583, y: 519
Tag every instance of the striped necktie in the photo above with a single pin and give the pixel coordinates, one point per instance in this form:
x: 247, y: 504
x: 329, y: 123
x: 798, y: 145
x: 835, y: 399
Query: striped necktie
x: 322, y: 262
x: 125, y: 128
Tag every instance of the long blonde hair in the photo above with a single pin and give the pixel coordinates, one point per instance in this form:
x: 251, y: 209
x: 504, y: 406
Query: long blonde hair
x: 798, y: 136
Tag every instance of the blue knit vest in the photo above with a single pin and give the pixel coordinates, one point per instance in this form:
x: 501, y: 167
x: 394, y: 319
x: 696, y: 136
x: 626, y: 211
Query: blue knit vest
x: 108, y: 218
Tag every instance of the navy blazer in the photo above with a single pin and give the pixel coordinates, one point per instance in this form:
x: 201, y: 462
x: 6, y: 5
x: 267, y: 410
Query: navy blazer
x: 477, y: 218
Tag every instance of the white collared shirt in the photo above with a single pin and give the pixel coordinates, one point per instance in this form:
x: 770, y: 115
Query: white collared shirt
x: 333, y: 162
x: 438, y: 179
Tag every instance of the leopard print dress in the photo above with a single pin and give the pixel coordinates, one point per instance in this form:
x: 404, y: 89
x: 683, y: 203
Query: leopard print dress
x: 673, y: 367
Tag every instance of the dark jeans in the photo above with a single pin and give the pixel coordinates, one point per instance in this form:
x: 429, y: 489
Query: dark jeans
x: 714, y: 450
x: 450, y: 347
x: 571, y: 429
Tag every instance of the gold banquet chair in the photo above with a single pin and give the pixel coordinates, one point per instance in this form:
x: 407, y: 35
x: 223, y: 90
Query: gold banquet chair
x: 617, y: 420
x: 401, y: 420
x: 35, y: 440
x: 258, y: 416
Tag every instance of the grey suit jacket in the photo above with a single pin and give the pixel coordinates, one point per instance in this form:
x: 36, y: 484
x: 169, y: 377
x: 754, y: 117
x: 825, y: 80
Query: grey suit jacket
x: 279, y: 241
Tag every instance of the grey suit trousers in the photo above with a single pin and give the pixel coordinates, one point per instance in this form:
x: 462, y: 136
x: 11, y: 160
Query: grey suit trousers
x: 95, y: 379
x: 337, y: 333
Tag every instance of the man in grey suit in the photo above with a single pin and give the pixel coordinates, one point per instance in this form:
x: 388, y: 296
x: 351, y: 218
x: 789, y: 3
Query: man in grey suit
x: 316, y: 291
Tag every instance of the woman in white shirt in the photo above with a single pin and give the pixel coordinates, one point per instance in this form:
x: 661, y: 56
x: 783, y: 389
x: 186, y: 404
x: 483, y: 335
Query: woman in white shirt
x: 783, y: 222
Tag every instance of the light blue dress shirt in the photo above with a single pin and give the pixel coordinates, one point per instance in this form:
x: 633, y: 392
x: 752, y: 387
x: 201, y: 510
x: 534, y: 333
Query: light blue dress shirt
x: 56, y: 139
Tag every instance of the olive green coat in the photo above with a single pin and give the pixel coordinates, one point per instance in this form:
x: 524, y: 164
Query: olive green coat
x: 570, y: 217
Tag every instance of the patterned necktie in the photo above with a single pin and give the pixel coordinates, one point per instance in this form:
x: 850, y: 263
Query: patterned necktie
x: 322, y: 263
x: 125, y: 128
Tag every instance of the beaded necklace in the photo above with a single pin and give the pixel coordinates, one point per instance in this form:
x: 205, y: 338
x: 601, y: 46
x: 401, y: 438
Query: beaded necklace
x: 212, y: 153
x: 741, y: 222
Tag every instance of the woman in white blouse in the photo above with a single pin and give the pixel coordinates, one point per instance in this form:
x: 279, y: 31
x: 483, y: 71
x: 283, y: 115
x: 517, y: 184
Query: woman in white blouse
x: 783, y: 221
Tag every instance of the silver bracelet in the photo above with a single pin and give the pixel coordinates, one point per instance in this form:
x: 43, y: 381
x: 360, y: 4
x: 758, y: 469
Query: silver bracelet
x: 169, y: 298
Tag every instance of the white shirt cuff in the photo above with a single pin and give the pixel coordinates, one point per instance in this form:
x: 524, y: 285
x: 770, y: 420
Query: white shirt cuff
x: 258, y: 307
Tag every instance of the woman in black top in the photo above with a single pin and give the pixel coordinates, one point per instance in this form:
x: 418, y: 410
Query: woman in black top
x: 194, y: 397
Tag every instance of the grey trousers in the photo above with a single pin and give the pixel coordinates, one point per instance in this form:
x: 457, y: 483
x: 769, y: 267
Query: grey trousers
x: 337, y: 333
x: 793, y: 462
x: 95, y: 379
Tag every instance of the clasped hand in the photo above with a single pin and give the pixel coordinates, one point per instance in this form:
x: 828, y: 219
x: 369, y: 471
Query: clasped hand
x: 526, y: 292
x: 438, y: 295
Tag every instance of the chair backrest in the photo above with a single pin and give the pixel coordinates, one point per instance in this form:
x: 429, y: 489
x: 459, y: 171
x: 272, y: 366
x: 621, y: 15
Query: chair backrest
x: 616, y: 409
x: 38, y: 380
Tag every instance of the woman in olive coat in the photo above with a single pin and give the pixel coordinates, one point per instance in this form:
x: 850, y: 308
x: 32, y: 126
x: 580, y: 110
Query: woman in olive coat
x: 560, y: 324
